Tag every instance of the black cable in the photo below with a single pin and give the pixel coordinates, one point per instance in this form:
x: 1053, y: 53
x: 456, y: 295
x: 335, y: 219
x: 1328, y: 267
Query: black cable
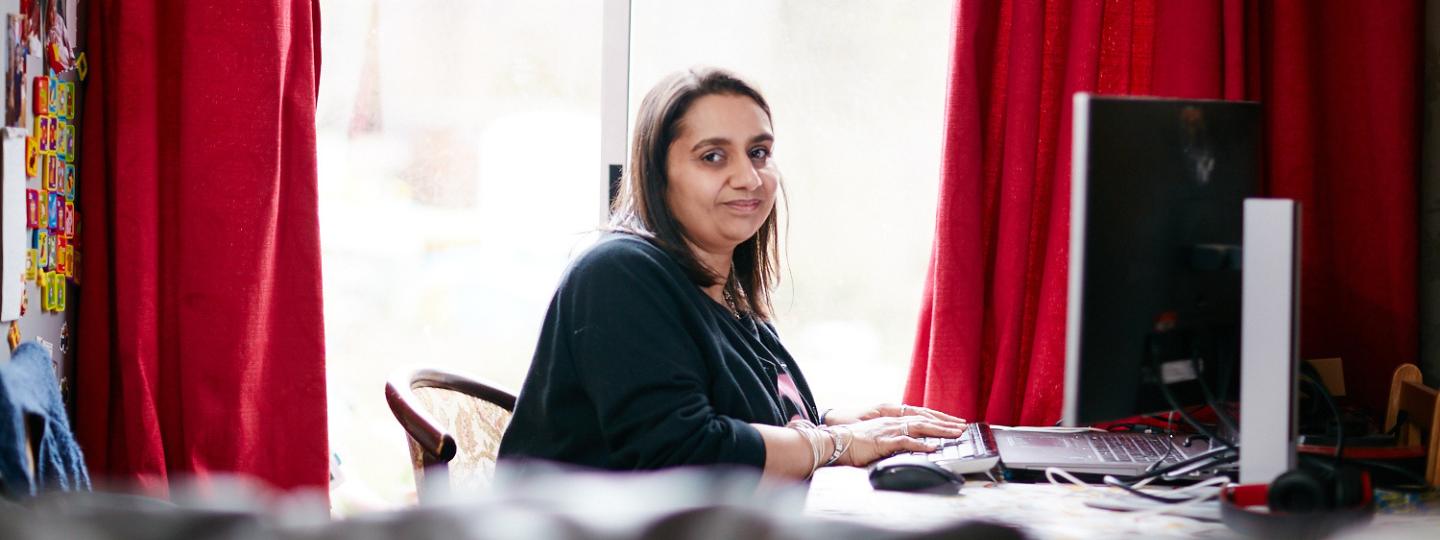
x: 1339, y: 421
x: 1216, y: 456
x: 1226, y: 456
x: 1174, y: 404
x: 1169, y: 449
x: 1210, y: 400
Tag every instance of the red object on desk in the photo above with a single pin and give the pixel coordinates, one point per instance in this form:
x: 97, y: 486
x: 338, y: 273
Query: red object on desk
x: 1363, y: 452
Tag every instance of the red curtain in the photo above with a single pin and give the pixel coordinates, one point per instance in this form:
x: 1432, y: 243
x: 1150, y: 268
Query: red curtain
x: 200, y: 338
x: 990, y: 344
x: 1342, y: 119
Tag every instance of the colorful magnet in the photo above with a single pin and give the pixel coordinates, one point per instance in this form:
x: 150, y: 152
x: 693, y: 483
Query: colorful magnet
x: 42, y: 218
x: 60, y: 138
x: 60, y: 293
x: 69, y: 181
x: 52, y: 243
x: 52, y: 214
x: 50, y: 136
x: 53, y: 103
x: 42, y: 136
x: 69, y: 261
x: 70, y: 142
x: 32, y: 208
x: 55, y: 56
x: 47, y: 293
x: 70, y: 100
x: 62, y: 266
x: 47, y: 259
x: 40, y: 96
x: 14, y: 334
x: 67, y: 226
x: 32, y: 157
x: 34, y: 238
x: 24, y: 301
x: 61, y: 89
x: 31, y: 264
x: 82, y: 66
x: 46, y: 181
x: 57, y: 168
x: 44, y: 260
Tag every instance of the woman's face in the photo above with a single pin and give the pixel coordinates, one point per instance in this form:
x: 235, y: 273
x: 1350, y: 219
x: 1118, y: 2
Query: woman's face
x: 722, y: 180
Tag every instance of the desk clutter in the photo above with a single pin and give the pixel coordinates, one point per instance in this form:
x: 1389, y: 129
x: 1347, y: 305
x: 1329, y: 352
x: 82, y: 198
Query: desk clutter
x: 1063, y: 511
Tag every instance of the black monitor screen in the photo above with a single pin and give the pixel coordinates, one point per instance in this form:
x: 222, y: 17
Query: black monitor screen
x: 1157, y: 198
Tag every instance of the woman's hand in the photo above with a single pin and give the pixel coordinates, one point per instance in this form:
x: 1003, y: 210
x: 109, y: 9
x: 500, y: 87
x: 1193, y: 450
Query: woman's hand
x: 842, y: 416
x: 885, y: 436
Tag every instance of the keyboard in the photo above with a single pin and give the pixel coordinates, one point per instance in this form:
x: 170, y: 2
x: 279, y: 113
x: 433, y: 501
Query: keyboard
x: 974, y: 451
x: 1145, y: 448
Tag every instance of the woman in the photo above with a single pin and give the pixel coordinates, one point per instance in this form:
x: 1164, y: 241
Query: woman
x: 657, y: 349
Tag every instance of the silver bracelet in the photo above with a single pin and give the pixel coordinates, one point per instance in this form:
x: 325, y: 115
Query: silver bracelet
x: 809, y: 432
x: 841, y: 437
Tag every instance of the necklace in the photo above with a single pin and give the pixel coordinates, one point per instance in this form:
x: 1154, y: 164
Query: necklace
x: 730, y: 304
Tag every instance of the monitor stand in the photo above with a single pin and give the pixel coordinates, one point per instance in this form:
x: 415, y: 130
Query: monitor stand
x: 1268, y: 338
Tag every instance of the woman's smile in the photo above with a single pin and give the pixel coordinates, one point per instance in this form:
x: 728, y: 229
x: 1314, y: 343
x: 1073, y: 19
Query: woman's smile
x: 743, y: 206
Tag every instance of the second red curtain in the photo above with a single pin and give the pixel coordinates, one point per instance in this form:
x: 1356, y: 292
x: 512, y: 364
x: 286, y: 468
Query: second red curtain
x: 992, y: 329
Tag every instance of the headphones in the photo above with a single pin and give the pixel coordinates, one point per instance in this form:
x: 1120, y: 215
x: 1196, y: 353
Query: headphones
x: 1302, y: 503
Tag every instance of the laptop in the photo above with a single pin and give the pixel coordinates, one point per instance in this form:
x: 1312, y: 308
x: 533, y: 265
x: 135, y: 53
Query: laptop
x: 1093, y: 452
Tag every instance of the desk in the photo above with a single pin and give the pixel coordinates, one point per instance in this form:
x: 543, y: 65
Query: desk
x: 1041, y: 510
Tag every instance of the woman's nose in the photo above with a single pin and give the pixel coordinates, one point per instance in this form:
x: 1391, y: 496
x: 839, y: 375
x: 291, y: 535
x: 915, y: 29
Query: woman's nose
x: 747, y: 178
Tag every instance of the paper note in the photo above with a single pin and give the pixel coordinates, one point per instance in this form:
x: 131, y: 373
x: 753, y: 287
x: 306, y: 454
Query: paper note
x: 12, y: 223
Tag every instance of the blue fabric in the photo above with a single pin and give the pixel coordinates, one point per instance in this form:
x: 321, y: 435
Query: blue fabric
x: 28, y: 386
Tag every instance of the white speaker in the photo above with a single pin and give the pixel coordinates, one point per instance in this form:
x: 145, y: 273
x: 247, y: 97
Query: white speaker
x: 1269, y: 330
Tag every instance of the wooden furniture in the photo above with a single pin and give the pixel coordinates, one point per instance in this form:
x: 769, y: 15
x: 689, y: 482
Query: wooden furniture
x: 454, y: 424
x: 1421, y: 407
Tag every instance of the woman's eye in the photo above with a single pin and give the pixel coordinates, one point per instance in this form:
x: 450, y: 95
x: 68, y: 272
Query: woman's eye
x: 712, y: 157
x: 760, y: 153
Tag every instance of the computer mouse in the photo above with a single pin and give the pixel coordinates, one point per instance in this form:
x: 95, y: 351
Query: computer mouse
x: 918, y: 475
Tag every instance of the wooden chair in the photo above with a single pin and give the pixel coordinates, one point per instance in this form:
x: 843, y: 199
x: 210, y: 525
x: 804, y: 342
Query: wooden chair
x: 454, y: 424
x: 1421, y: 405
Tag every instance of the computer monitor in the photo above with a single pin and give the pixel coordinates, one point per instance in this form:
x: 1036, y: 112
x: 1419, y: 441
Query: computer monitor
x: 1158, y: 190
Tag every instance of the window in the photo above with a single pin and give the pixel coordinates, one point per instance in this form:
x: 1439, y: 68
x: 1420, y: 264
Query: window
x: 459, y: 144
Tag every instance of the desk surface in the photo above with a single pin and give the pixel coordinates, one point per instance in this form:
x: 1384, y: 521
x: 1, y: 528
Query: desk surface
x: 1041, y: 510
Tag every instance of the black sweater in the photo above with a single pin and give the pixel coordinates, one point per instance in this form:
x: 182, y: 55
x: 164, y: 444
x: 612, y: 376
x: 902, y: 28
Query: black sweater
x: 637, y: 368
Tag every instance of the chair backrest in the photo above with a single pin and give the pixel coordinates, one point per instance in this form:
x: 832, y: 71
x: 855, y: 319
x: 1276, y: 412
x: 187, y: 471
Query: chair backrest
x: 1421, y: 405
x: 454, y: 424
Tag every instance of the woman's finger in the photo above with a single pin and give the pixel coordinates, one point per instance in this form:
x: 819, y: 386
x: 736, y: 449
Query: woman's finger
x: 931, y: 429
x: 899, y: 444
x: 932, y: 413
x: 947, y: 423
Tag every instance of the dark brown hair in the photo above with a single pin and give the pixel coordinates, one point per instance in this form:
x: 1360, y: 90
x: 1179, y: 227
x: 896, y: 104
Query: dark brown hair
x: 641, y: 206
